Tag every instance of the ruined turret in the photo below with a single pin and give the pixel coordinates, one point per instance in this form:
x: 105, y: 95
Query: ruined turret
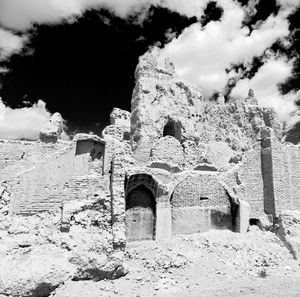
x: 53, y: 129
x: 119, y: 127
x: 251, y: 99
x: 221, y: 98
x: 148, y: 68
x: 160, y: 101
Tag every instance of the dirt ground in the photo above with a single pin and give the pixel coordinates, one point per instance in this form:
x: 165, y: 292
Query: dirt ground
x: 214, y: 263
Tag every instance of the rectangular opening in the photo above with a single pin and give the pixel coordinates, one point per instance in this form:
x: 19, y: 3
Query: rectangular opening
x: 203, y: 198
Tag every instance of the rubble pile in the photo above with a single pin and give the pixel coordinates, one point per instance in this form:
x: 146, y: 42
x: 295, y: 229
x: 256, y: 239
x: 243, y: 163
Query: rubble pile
x: 36, y: 257
x: 197, y: 265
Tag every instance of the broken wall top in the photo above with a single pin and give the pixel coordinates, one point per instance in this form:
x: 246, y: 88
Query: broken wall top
x: 160, y: 97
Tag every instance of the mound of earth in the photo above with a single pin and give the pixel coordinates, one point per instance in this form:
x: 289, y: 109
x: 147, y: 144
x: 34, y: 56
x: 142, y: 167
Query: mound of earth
x: 214, y: 263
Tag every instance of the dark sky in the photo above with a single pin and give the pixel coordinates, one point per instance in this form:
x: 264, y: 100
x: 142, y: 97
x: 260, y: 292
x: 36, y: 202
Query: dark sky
x: 86, y: 68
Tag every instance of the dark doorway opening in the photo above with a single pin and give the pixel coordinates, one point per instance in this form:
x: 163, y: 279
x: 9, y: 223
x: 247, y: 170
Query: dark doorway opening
x: 140, y: 214
x: 172, y: 129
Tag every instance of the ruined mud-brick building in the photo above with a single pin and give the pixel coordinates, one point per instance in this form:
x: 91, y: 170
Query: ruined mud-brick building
x: 177, y: 164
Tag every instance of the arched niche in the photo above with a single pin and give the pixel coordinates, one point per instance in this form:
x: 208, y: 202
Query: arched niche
x: 141, y: 178
x: 200, y: 203
x: 172, y: 128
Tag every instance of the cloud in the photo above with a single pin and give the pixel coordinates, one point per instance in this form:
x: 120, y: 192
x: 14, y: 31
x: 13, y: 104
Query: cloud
x: 294, y: 118
x: 21, y: 14
x: 265, y: 85
x: 204, y: 54
x: 288, y: 6
x: 10, y: 43
x: 23, y: 122
x: 189, y: 8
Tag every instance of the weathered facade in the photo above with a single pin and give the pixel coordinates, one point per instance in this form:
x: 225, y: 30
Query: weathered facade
x: 177, y: 164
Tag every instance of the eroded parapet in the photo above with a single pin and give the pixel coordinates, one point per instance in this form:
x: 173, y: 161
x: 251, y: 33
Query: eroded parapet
x: 120, y: 117
x: 221, y: 98
x: 160, y: 102
x: 148, y: 67
x: 251, y: 99
x: 120, y: 125
x: 171, y: 107
x: 53, y: 129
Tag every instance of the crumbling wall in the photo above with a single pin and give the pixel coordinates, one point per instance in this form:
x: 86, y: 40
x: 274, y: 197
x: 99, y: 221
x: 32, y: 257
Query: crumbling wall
x: 52, y: 131
x: 17, y: 156
x: 119, y: 162
x: 42, y: 188
x: 160, y: 99
x: 119, y: 127
x: 115, y: 148
x: 118, y: 203
x: 267, y: 177
x: 118, y: 156
x: 74, y: 173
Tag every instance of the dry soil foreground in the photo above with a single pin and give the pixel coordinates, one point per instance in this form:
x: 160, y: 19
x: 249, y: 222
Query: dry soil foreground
x: 215, y: 263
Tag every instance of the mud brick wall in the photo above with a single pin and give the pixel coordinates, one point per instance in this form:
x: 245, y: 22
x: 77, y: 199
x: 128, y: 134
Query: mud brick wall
x: 73, y: 173
x: 286, y: 176
x: 281, y: 174
x: 44, y: 187
x: 202, y: 189
x: 200, y: 203
x: 250, y: 176
x: 17, y: 156
x: 87, y: 187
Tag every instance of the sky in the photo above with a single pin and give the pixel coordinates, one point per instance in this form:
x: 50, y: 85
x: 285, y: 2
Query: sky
x: 78, y: 57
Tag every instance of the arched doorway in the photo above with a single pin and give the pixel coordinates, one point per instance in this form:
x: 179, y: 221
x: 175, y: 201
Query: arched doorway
x: 140, y: 214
